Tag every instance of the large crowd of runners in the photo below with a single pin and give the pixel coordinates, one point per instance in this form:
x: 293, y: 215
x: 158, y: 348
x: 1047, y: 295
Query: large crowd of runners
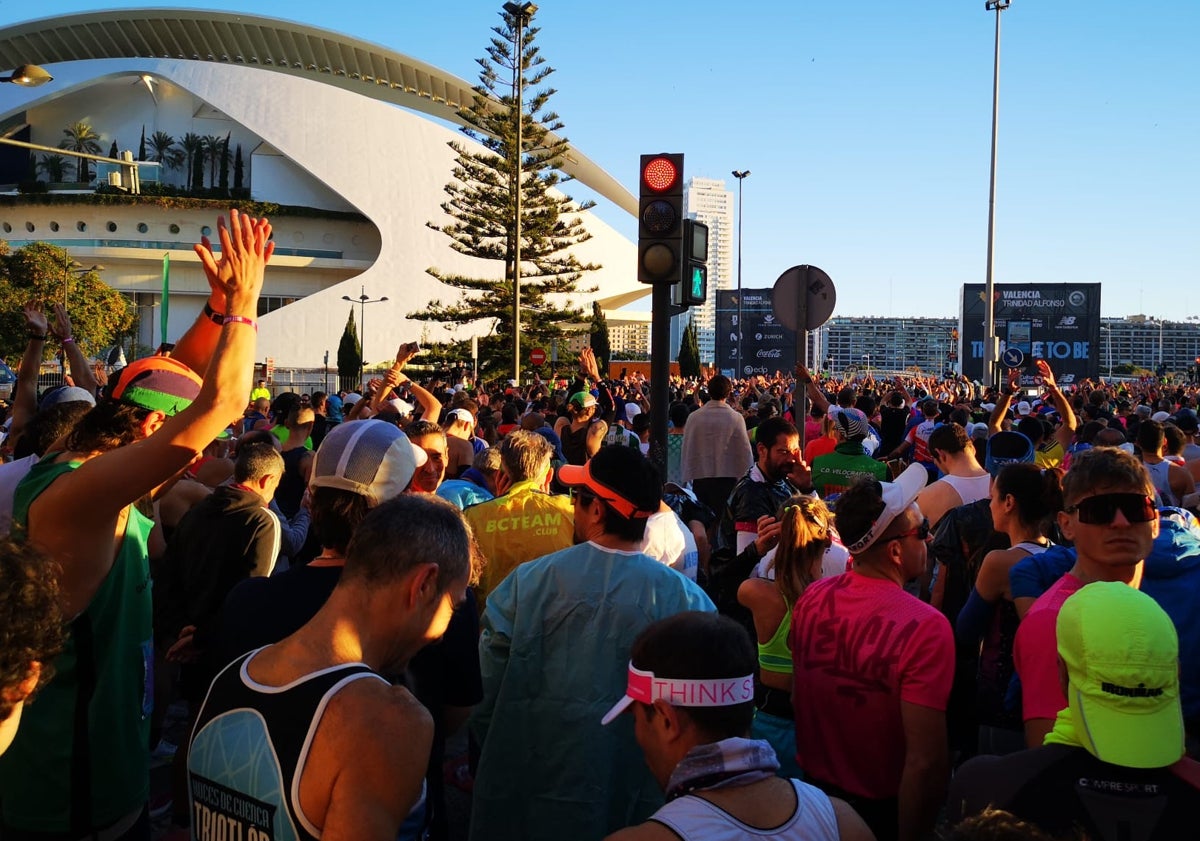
x: 900, y: 607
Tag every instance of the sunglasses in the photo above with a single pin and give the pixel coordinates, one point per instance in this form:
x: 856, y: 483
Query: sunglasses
x: 1100, y: 510
x: 921, y: 532
x: 582, y: 496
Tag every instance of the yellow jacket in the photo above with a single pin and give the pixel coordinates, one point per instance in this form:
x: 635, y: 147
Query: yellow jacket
x: 523, y: 524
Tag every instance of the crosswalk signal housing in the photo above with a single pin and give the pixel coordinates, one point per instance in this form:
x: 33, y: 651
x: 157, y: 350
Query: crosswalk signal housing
x: 695, y: 269
x: 660, y: 219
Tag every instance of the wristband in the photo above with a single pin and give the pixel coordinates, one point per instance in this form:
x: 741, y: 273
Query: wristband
x: 68, y: 340
x: 217, y: 318
x: 40, y: 338
x: 240, y: 319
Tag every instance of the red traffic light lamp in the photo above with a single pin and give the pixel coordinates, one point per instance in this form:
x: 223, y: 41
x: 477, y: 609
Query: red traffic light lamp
x: 660, y: 219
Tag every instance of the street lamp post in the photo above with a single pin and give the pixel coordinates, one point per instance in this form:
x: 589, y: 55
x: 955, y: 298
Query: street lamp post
x: 70, y: 268
x: 740, y: 175
x: 28, y: 76
x: 362, y: 300
x: 1106, y: 329
x: 522, y: 12
x: 989, y: 317
x: 1161, y: 366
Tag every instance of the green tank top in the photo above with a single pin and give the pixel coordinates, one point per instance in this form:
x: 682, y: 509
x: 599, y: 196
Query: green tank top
x: 80, y: 760
x: 774, y: 655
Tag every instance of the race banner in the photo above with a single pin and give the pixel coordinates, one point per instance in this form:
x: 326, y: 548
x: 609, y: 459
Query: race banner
x: 767, y: 346
x: 1058, y: 322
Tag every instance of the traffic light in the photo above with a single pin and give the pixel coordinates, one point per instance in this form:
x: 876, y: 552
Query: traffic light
x: 695, y: 266
x: 660, y: 219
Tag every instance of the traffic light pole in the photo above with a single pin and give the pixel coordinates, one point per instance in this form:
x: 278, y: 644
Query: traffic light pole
x: 660, y: 373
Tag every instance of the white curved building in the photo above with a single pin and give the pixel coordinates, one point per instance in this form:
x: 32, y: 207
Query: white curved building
x: 324, y: 121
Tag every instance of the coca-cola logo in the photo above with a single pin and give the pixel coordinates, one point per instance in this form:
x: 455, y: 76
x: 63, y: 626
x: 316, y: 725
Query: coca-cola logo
x: 770, y: 354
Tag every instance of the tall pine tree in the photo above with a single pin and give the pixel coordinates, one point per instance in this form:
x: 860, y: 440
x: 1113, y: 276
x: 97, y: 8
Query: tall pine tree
x: 482, y: 206
x: 689, y: 352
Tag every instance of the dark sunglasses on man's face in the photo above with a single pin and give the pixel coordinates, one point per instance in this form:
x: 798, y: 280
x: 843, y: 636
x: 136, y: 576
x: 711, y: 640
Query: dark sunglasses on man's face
x: 1099, y: 510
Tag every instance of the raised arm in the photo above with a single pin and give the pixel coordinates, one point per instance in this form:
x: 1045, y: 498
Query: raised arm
x: 196, y: 347
x: 25, y: 394
x: 97, y: 492
x: 1066, y: 430
x: 81, y: 373
x: 804, y: 378
x: 1003, y: 402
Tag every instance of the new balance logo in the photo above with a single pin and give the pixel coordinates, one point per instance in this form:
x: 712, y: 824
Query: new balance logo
x: 1067, y: 321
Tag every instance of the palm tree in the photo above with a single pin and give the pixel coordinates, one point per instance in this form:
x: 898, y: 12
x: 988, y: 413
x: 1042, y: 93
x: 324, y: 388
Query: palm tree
x: 54, y: 166
x: 193, y: 147
x: 81, y: 137
x: 164, y: 150
x: 212, y: 150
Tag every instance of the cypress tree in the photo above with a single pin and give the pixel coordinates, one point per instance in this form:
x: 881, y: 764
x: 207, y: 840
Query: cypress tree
x: 689, y: 352
x: 349, y: 356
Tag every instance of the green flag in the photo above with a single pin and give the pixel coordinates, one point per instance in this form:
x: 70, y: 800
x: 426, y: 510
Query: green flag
x: 166, y: 297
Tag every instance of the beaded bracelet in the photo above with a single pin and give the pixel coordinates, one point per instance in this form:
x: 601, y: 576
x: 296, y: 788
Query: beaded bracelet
x: 240, y: 319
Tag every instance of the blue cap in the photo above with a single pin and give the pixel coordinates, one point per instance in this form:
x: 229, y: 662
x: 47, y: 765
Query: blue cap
x: 1007, y: 448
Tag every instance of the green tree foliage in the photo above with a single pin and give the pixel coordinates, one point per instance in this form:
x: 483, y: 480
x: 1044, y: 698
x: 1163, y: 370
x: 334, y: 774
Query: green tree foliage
x: 212, y: 153
x: 349, y: 356
x: 113, y: 152
x: 40, y: 272
x: 689, y: 352
x: 482, y: 207
x: 599, y: 338
x: 81, y: 137
x: 54, y: 167
x: 165, y: 151
x: 193, y: 153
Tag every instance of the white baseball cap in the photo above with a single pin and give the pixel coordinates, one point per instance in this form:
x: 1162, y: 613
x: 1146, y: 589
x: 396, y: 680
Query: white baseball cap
x: 371, y: 458
x: 897, y: 496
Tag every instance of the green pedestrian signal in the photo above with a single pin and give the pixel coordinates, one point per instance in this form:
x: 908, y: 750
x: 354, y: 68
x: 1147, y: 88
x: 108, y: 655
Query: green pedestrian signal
x: 695, y: 273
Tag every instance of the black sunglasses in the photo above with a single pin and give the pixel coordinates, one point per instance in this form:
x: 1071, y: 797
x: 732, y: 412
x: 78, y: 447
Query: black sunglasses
x: 921, y: 532
x: 583, y: 496
x: 1099, y: 510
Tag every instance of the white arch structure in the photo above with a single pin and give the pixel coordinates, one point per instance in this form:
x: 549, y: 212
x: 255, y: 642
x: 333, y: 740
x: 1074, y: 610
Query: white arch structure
x: 330, y: 109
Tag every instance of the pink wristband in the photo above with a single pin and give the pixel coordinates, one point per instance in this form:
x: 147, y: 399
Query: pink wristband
x: 240, y: 319
x: 68, y: 340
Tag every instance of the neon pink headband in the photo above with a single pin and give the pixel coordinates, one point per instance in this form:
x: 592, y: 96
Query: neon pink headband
x: 647, y: 688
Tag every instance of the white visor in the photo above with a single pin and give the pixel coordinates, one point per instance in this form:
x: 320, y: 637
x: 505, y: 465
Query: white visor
x: 645, y: 687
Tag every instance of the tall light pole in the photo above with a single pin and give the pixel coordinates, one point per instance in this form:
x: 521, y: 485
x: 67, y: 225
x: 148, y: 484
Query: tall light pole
x: 990, y: 345
x: 740, y: 175
x: 70, y: 268
x: 1160, y: 344
x: 1106, y: 329
x: 28, y: 76
x: 362, y: 300
x: 522, y: 13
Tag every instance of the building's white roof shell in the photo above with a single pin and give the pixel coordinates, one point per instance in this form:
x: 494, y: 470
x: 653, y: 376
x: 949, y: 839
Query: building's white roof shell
x: 330, y: 109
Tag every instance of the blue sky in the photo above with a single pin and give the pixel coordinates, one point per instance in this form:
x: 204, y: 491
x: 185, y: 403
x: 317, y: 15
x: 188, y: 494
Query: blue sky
x: 866, y: 127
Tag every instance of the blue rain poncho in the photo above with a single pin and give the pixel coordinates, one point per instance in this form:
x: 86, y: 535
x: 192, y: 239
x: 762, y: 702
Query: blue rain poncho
x: 554, y: 653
